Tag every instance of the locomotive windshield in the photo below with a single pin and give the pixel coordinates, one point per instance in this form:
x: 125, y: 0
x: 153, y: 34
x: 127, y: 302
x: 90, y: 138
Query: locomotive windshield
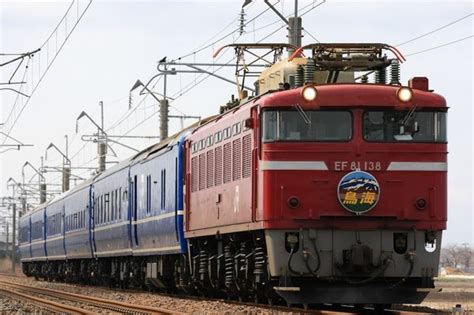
x: 311, y: 125
x: 393, y: 125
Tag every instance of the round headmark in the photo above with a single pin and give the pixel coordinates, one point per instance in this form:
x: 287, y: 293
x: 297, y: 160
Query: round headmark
x: 358, y: 192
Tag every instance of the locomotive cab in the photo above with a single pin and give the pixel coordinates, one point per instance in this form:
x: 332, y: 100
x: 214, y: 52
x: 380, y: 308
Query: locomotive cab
x: 353, y: 190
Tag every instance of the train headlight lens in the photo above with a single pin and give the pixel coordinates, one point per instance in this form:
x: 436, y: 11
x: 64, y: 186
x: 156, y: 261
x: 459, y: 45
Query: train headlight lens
x: 404, y: 94
x: 309, y: 93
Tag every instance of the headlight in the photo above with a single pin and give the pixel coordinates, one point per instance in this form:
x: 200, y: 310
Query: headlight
x: 404, y: 94
x: 309, y: 93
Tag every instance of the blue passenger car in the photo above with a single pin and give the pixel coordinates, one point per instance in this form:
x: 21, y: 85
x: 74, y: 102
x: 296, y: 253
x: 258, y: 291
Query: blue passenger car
x: 77, y: 222
x: 156, y: 200
x: 38, y: 234
x: 24, y: 237
x: 111, y: 222
x: 123, y: 226
x: 54, y: 230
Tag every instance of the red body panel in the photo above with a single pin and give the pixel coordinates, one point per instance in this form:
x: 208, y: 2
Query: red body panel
x: 219, y: 192
x: 269, y: 190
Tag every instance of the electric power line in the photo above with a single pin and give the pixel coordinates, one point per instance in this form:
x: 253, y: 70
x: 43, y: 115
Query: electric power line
x: 193, y: 84
x: 131, y: 111
x: 58, y: 50
x: 440, y: 46
x: 225, y: 36
x: 435, y: 30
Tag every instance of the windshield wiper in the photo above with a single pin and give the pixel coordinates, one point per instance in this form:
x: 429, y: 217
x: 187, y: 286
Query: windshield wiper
x: 303, y: 114
x: 407, y: 117
x: 403, y: 136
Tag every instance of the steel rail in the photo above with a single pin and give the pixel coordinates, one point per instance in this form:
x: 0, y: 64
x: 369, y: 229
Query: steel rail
x: 50, y: 305
x: 112, y: 305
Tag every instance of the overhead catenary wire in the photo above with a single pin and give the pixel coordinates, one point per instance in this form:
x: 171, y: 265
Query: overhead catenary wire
x: 289, y: 15
x: 186, y: 88
x: 223, y: 37
x: 198, y: 81
x: 75, y: 135
x: 58, y: 50
x: 135, y: 108
x: 205, y: 44
x: 435, y: 30
x: 282, y: 26
x: 439, y: 46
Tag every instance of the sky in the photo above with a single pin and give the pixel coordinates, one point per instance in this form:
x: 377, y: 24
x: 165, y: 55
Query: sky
x: 118, y: 42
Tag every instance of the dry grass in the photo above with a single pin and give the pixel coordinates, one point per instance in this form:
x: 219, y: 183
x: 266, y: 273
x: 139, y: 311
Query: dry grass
x: 6, y: 266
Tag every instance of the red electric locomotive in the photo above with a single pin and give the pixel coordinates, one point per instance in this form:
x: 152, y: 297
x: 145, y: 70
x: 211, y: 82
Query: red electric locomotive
x: 323, y: 188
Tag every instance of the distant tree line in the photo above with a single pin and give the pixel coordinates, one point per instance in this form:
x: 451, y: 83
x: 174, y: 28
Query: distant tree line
x: 457, y: 256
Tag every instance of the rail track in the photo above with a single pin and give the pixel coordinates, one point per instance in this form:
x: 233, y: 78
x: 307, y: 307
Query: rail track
x: 126, y: 308
x: 325, y: 309
x: 15, y: 290
x: 43, y: 303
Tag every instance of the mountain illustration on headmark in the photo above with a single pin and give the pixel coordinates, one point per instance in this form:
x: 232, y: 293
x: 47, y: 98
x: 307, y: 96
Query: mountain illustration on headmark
x: 354, y: 184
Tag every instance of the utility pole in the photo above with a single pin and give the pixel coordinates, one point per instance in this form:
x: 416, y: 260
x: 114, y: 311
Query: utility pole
x: 294, y: 23
x: 14, y: 227
x: 23, y: 205
x: 66, y: 168
x: 14, y: 235
x: 102, y: 141
x: 6, y: 245
x: 295, y: 28
x: 42, y: 184
x: 164, y: 109
x: 41, y: 181
x: 102, y: 136
x: 164, y: 104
